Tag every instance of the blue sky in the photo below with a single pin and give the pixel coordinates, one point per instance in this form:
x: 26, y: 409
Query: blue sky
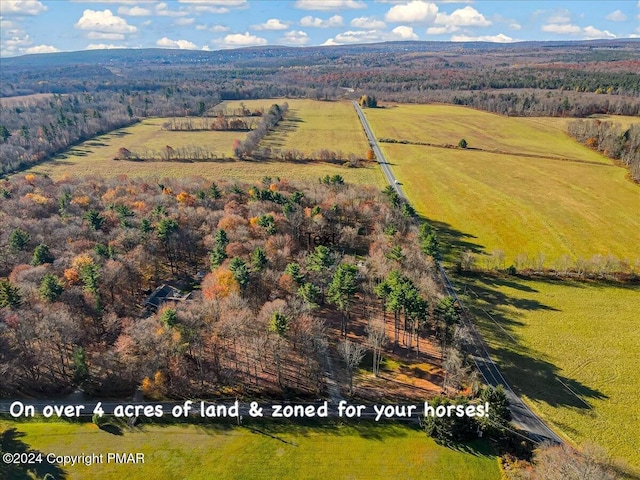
x: 41, y: 26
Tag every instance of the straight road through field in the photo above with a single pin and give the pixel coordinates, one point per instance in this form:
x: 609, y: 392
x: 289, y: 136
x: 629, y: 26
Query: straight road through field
x: 523, y: 417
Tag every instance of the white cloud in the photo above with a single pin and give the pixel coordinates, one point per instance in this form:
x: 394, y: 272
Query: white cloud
x: 369, y: 36
x: 295, y: 38
x: 463, y: 17
x: 6, y: 24
x: 415, y: 11
x: 105, y: 36
x: 182, y: 44
x: 181, y: 22
x: 515, y: 26
x: 271, y: 24
x: 500, y: 38
x: 242, y: 40
x: 102, y: 46
x: 358, y: 36
x: 126, y: 2
x: 368, y: 22
x: 557, y: 28
x: 591, y: 32
x: 104, y: 21
x: 329, y: 4
x: 206, y: 48
x: 442, y: 30
x: 21, y: 7
x: 213, y: 6
x: 162, y: 9
x: 41, y: 49
x: 213, y: 28
x: 616, y: 16
x: 134, y: 11
x: 561, y: 16
x: 405, y: 33
x: 222, y: 3
x: 309, y: 21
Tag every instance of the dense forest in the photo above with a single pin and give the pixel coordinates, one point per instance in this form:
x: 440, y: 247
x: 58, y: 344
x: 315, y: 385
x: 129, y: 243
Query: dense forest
x: 267, y: 278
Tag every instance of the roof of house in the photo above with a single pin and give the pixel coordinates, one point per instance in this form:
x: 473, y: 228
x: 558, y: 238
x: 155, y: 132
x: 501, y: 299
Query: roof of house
x: 165, y: 293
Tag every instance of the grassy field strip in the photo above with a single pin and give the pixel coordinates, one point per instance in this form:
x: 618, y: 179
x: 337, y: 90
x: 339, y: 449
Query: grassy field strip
x: 522, y: 206
x: 362, y: 451
x: 95, y: 157
x: 571, y: 337
x: 446, y: 124
x: 312, y: 125
x: 561, y: 123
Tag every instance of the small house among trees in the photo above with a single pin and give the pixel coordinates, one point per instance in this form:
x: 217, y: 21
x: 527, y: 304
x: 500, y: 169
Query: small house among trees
x: 165, y: 293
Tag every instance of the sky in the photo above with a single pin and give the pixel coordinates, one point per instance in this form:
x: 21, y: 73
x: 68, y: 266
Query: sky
x: 46, y: 26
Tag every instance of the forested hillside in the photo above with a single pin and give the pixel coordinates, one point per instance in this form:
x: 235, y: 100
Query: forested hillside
x: 267, y: 268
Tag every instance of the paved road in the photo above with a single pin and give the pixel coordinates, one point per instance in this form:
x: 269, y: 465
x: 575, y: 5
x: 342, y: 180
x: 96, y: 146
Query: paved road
x: 523, y: 417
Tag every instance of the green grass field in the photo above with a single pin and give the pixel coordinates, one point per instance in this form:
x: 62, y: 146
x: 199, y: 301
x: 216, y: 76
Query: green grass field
x: 312, y: 125
x: 95, y: 157
x: 554, y: 339
x: 580, y: 205
x: 264, y: 451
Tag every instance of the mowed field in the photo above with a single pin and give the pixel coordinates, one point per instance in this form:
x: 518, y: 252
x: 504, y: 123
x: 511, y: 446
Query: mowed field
x: 329, y: 452
x: 562, y: 123
x: 312, y: 125
x: 571, y: 349
x: 95, y: 157
x: 560, y: 199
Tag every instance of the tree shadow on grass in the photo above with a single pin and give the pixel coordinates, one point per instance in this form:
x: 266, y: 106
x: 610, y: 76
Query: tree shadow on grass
x: 541, y: 380
x: 364, y: 428
x: 10, y: 442
x: 453, y: 242
x: 486, y: 287
x: 477, y: 448
x: 527, y: 371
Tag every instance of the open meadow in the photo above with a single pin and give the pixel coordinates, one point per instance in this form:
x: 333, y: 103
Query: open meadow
x: 560, y: 199
x: 571, y: 350
x: 95, y: 157
x: 312, y: 125
x: 562, y: 122
x: 263, y: 451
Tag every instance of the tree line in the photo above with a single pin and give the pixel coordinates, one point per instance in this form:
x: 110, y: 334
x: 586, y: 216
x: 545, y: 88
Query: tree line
x: 611, y: 139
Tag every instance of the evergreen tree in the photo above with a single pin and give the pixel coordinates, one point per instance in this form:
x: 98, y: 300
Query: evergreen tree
x: 41, y: 255
x: 50, y: 288
x: 19, y: 239
x: 10, y: 295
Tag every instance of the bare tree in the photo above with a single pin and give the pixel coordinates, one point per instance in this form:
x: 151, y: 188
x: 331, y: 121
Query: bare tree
x: 352, y: 354
x: 376, y: 339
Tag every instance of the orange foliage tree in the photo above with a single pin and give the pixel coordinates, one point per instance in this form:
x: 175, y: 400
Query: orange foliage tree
x: 219, y: 284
